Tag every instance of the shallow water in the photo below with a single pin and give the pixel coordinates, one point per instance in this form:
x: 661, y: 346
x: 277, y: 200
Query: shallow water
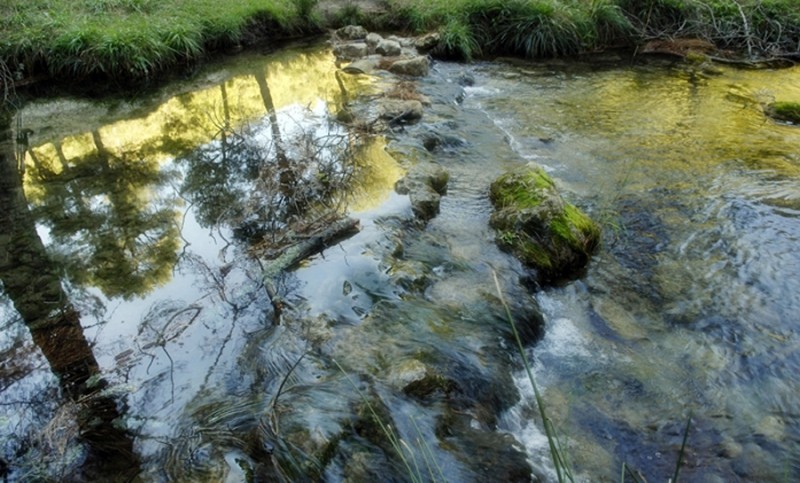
x: 148, y: 210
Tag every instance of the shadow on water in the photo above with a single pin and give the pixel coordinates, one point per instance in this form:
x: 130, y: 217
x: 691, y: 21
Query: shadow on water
x: 32, y: 281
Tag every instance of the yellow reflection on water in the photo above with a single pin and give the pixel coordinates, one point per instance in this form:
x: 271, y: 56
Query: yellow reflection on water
x: 669, y: 124
x: 377, y: 173
x: 100, y: 178
x: 189, y: 120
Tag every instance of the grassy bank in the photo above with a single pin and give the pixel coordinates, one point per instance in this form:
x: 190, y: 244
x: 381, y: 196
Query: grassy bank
x: 134, y: 40
x: 546, y: 28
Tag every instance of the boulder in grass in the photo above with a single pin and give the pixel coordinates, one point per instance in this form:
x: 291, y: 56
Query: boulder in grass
x: 535, y: 224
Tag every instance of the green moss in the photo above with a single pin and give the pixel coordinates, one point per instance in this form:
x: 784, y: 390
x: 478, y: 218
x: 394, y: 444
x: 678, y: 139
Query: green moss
x: 576, y: 229
x: 531, y: 252
x: 535, y: 224
x: 521, y: 189
x: 785, y: 111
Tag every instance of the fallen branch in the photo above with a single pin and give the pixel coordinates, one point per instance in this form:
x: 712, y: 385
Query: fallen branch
x: 300, y: 251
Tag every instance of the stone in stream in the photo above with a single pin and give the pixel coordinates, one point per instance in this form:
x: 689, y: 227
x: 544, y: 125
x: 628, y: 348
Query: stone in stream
x: 400, y: 111
x: 427, y: 42
x: 352, y: 50
x: 351, y: 32
x: 784, y: 111
x: 373, y: 40
x: 415, y: 66
x: 417, y: 380
x: 388, y: 48
x: 534, y: 223
x: 425, y: 184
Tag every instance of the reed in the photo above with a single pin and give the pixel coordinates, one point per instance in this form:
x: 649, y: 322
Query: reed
x: 558, y: 453
x: 430, y: 470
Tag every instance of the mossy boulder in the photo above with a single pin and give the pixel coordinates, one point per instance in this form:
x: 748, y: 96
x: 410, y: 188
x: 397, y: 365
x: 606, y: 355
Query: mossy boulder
x: 785, y: 111
x: 534, y: 223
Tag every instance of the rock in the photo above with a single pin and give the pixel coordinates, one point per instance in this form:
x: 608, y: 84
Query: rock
x: 424, y: 173
x: 412, y: 275
x: 425, y: 202
x: 433, y: 141
x: 415, y: 66
x: 680, y: 47
x: 352, y: 50
x: 465, y: 79
x: 418, y: 380
x: 388, y: 48
x: 494, y: 455
x: 427, y: 42
x: 534, y: 223
x: 352, y: 32
x: 425, y: 184
x: 373, y: 40
x: 361, y: 66
x: 396, y: 110
x: 784, y: 111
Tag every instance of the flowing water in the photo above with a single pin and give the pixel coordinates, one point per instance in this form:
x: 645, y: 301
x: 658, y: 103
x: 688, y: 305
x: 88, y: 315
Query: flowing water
x: 150, y: 216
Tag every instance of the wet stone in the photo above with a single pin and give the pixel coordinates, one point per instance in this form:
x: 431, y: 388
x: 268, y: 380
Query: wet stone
x: 351, y: 50
x: 352, y: 32
x: 415, y: 67
x: 400, y: 111
x: 411, y: 275
x: 427, y: 42
x: 388, y: 48
x: 425, y: 184
x: 373, y: 40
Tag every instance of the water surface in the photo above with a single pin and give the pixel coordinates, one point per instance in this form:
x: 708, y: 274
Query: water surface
x: 152, y: 219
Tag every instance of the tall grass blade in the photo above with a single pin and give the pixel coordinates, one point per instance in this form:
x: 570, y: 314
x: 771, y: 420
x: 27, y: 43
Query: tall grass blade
x: 397, y: 444
x: 563, y: 472
x: 683, y: 449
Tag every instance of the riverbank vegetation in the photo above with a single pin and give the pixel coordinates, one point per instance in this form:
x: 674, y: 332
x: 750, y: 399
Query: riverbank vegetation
x: 135, y: 40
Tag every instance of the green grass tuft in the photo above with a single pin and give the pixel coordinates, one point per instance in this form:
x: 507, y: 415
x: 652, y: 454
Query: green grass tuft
x: 458, y: 41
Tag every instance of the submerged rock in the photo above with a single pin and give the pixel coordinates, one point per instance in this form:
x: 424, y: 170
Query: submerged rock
x: 418, y: 380
x: 541, y: 229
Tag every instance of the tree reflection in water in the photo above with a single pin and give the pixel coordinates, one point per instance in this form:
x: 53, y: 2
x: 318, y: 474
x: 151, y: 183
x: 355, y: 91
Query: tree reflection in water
x: 110, y: 230
x: 32, y: 281
x: 271, y: 183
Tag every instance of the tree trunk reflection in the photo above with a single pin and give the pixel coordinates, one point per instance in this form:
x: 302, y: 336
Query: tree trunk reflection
x: 32, y: 282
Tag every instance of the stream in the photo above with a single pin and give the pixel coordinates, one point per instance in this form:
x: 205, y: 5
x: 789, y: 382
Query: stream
x: 141, y: 228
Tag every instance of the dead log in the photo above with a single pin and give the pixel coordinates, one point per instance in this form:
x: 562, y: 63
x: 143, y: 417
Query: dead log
x: 303, y: 249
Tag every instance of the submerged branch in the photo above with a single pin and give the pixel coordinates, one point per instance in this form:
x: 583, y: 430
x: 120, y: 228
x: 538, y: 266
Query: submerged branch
x: 300, y: 251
